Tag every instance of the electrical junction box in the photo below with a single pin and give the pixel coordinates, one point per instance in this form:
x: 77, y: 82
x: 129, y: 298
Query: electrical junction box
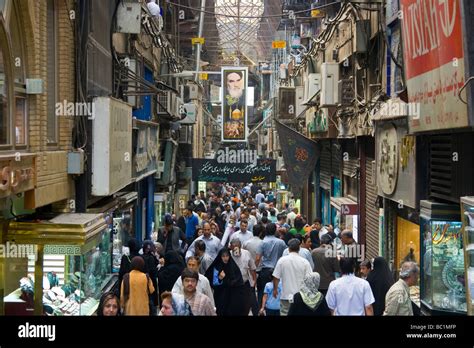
x: 75, y: 162
x: 329, y: 84
x: 34, y: 86
x: 129, y: 17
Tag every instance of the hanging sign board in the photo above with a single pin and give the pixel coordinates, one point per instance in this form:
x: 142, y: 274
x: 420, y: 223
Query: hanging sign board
x: 434, y: 64
x: 234, y: 104
x: 211, y: 170
x: 278, y: 44
x: 198, y: 40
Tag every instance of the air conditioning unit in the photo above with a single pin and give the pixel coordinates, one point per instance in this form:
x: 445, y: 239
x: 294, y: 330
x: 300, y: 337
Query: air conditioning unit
x: 312, y: 86
x: 185, y: 134
x: 178, y: 106
x: 164, y: 105
x: 190, y: 109
x: 129, y: 18
x: 329, y: 84
x: 136, y: 67
x: 189, y: 92
x: 299, y: 96
x: 280, y: 164
x: 286, y: 103
x: 276, y: 141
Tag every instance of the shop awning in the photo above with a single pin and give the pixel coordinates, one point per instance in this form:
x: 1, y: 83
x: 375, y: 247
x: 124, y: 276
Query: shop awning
x: 346, y: 205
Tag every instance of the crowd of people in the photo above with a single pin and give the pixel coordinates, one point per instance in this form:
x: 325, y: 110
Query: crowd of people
x: 232, y: 252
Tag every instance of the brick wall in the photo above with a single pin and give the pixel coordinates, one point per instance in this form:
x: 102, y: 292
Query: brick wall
x: 53, y: 183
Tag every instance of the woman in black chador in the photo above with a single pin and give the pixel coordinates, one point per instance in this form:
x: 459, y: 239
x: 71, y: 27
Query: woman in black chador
x: 380, y: 280
x: 226, y: 279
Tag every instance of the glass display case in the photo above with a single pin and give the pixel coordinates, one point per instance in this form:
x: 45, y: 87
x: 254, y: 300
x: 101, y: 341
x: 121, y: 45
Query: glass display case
x: 467, y: 210
x: 442, y: 258
x: 73, y: 259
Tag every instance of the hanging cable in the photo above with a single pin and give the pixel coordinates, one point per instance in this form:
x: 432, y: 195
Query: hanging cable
x: 251, y: 17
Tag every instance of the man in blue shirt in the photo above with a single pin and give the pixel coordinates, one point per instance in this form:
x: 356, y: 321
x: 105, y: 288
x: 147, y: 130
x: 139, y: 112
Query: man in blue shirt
x: 268, y: 253
x: 191, y: 221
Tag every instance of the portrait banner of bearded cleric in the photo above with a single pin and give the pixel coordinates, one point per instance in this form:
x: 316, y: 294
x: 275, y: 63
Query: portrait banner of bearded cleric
x: 234, y: 103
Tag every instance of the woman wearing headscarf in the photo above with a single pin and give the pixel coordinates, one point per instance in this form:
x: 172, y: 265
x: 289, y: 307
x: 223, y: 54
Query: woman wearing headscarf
x: 136, y: 289
x: 109, y: 305
x: 309, y: 301
x: 226, y: 279
x: 380, y: 280
x: 174, y: 304
x: 151, y: 263
x: 126, y: 262
x: 171, y: 271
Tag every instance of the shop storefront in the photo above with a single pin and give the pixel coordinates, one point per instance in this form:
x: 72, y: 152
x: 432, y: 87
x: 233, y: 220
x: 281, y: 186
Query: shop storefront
x: 19, y: 176
x: 467, y: 215
x: 442, y: 264
x: 145, y: 159
x: 70, y: 253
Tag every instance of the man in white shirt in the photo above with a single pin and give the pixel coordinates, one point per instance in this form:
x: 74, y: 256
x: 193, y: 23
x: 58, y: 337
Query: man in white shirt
x: 349, y: 295
x: 247, y: 267
x: 203, y: 285
x: 292, y: 216
x: 291, y: 270
x: 304, y: 253
x: 243, y: 234
x: 259, y: 197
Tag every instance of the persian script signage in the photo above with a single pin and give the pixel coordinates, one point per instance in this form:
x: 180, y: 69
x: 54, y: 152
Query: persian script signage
x: 147, y: 150
x: 434, y: 63
x: 211, y: 170
x: 17, y: 176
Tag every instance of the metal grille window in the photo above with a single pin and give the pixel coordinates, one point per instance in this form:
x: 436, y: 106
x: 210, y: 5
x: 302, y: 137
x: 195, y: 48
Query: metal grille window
x: 441, y: 152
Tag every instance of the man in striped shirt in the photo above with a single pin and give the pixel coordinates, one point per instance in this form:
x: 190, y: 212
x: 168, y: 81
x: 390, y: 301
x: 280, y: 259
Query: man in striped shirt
x: 200, y: 303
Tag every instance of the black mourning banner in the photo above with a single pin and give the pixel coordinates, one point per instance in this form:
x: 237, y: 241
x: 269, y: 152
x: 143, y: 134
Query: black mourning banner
x: 211, y: 170
x: 300, y: 155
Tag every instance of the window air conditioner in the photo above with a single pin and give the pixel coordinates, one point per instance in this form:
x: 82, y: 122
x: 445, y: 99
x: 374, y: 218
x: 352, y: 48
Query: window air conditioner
x: 189, y: 92
x: 164, y: 104
x: 312, y: 86
x: 329, y: 84
x: 190, y: 110
x: 299, y: 90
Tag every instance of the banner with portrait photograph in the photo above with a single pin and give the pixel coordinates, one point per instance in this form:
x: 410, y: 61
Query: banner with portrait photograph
x: 234, y: 104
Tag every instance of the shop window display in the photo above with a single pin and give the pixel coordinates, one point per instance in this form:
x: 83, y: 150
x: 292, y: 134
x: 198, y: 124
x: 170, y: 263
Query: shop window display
x: 76, y: 265
x: 122, y: 232
x: 442, y: 261
x: 468, y: 229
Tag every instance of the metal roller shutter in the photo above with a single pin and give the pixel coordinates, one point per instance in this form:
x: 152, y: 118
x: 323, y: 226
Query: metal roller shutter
x: 349, y: 167
x: 371, y: 211
x: 325, y: 171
